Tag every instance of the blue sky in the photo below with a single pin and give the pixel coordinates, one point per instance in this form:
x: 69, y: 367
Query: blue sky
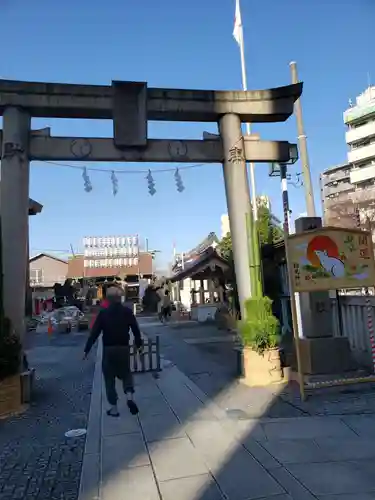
x: 185, y: 45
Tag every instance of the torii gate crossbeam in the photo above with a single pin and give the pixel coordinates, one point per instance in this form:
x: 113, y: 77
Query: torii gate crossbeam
x: 61, y: 100
x: 44, y: 147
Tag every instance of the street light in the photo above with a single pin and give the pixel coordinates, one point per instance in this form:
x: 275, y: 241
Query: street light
x: 277, y: 169
x: 293, y: 154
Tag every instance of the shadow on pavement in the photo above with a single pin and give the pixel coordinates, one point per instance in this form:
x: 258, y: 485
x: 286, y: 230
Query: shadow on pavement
x: 230, y: 441
x: 200, y: 435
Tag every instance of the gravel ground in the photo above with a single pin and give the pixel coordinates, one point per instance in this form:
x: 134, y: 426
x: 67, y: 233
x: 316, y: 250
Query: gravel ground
x: 37, y: 461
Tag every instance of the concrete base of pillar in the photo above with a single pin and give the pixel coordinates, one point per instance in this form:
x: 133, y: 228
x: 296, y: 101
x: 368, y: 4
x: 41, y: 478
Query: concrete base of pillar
x: 324, y: 356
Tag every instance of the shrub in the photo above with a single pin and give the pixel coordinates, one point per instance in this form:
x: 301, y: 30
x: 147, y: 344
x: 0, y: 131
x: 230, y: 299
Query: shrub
x: 260, y: 329
x: 10, y: 345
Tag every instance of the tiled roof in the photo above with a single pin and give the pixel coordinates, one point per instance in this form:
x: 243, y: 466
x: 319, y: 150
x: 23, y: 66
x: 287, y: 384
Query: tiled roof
x: 39, y: 255
x: 34, y: 207
x: 204, y: 258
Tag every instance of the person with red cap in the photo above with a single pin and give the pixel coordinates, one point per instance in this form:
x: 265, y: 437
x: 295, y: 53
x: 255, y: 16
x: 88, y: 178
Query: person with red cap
x: 114, y: 323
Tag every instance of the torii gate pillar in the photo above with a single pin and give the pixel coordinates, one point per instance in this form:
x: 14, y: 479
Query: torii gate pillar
x: 14, y: 208
x: 238, y: 201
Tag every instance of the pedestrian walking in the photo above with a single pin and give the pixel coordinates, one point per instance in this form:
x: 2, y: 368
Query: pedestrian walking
x: 160, y: 295
x: 114, y: 323
x: 166, y: 307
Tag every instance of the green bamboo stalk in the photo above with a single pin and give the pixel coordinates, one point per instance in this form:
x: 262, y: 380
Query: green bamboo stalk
x: 254, y: 256
x: 257, y: 262
x: 249, y: 234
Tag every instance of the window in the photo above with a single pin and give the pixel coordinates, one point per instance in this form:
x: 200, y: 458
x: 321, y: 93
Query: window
x: 36, y: 277
x: 361, y: 143
x: 363, y: 164
x: 359, y: 124
x: 368, y: 183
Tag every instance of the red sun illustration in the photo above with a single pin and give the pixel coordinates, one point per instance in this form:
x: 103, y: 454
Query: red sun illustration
x: 321, y: 243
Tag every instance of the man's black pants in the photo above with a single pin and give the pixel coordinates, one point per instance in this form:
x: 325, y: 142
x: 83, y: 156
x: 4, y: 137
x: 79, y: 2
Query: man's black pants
x: 116, y: 364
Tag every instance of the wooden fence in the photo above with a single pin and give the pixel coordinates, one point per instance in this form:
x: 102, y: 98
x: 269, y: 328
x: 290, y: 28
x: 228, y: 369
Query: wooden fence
x: 349, y: 319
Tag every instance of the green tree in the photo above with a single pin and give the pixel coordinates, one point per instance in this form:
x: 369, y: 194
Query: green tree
x: 268, y: 233
x: 225, y: 247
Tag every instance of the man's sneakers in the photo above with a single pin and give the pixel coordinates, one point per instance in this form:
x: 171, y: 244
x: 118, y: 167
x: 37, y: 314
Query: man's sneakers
x: 132, y: 407
x: 113, y: 411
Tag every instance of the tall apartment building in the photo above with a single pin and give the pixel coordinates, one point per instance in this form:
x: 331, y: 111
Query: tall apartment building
x: 351, y: 186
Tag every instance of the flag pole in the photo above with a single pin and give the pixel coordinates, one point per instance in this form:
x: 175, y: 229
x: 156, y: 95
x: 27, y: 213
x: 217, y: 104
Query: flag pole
x: 240, y: 40
x: 254, y: 244
x: 248, y: 132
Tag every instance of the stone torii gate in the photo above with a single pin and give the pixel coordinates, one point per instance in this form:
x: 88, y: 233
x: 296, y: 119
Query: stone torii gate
x: 130, y: 105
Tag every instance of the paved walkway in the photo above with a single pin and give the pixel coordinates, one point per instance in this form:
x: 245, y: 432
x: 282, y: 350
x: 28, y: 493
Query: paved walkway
x: 212, y: 367
x: 183, y: 446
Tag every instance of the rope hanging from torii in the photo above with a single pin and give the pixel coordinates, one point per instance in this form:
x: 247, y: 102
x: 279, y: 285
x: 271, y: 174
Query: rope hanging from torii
x: 88, y: 187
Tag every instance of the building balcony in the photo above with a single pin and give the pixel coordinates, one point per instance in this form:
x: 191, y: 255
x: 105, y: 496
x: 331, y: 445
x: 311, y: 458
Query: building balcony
x: 337, y: 173
x: 358, y: 133
x: 358, y: 175
x: 361, y: 154
x: 340, y: 187
x: 359, y: 113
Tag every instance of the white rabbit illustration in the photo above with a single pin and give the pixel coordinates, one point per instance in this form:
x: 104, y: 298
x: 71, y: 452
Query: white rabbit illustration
x: 332, y: 265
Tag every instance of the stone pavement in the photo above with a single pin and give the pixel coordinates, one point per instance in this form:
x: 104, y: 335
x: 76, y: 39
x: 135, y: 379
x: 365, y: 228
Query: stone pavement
x: 212, y: 366
x: 183, y: 446
x: 37, y: 462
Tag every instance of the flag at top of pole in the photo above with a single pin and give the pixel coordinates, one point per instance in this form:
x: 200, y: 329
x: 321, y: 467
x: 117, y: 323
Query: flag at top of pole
x: 238, y: 30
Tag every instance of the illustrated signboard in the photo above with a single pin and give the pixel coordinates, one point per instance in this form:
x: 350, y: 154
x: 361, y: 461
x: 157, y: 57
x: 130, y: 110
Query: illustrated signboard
x: 330, y: 259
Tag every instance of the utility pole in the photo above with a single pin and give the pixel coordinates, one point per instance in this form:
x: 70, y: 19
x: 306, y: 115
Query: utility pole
x: 293, y: 303
x: 302, y: 142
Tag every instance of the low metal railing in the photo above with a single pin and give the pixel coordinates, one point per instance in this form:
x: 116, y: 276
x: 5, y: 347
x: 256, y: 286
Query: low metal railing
x: 149, y: 360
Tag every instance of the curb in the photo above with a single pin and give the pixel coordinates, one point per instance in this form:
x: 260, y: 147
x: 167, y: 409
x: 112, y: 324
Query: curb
x: 90, y: 482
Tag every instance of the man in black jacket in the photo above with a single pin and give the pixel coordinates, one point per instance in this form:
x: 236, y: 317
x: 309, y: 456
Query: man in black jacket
x: 114, y: 324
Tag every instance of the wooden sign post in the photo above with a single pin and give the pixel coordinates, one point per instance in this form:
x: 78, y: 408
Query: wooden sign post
x: 324, y: 259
